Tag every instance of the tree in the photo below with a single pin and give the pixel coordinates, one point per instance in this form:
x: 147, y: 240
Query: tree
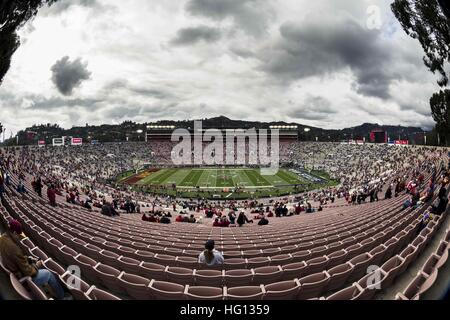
x: 440, y: 108
x: 428, y: 21
x: 13, y: 15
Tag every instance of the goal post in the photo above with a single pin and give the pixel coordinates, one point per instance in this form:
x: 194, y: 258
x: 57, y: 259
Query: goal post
x: 138, y: 165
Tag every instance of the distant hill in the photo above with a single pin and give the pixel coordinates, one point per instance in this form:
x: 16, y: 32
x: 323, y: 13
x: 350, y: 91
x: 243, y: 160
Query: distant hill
x: 129, y: 131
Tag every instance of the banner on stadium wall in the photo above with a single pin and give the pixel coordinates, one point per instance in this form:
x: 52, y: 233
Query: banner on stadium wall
x: 77, y: 141
x: 41, y: 143
x: 94, y: 142
x: 402, y: 142
x: 58, y: 142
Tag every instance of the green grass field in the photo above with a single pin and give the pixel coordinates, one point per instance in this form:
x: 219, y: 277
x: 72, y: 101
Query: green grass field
x: 220, y: 178
x: 211, y: 183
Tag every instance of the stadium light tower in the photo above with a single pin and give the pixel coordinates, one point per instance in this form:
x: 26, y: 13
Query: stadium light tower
x: 139, y: 132
x: 306, y: 131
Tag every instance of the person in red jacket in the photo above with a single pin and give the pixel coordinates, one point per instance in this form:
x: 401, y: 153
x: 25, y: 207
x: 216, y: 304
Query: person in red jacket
x: 217, y: 223
x: 51, y: 194
x: 224, y: 223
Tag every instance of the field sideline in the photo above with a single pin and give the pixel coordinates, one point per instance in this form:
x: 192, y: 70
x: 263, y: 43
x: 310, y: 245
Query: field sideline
x: 210, y: 178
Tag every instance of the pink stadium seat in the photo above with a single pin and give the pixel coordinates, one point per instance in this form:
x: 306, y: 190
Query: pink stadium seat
x: 244, y: 293
x: 108, y: 276
x: 339, y: 276
x: 126, y: 251
x: 78, y: 245
x: 286, y: 290
x: 111, y: 245
x: 378, y: 254
x: 38, y: 253
x: 391, y: 268
x: 235, y: 263
x: 294, y: 270
x: 349, y: 293
x: 231, y: 254
x: 129, y: 264
x: 257, y: 262
x: 161, y: 290
x: 209, y: 278
x: 354, y: 249
x: 27, y: 244
x: 301, y: 255
x: 430, y: 265
x: 34, y: 290
x: 281, y: 259
x: 337, y: 257
x: 412, y: 292
x: 360, y: 264
x: 203, y: 293
x: 313, y: 285
x: 152, y: 271
x: 267, y: 275
x: 136, y: 286
x: 54, y: 267
x: 187, y: 262
x: 370, y: 284
x: 144, y: 255
x: 76, y: 286
x: 67, y: 255
x: 96, y: 294
x: 109, y: 258
x: 87, y: 266
x: 19, y: 288
x: 179, y: 275
x: 234, y: 278
x: 419, y: 242
x: 165, y: 259
x: 390, y: 245
x: 318, y: 264
x: 319, y: 251
x: 409, y: 254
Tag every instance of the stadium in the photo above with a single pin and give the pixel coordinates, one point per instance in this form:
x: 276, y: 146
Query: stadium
x: 154, y: 210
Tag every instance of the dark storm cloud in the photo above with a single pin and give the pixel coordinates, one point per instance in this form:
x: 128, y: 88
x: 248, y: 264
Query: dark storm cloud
x: 67, y: 75
x: 318, y: 48
x: 188, y: 36
x: 251, y: 15
x: 313, y: 108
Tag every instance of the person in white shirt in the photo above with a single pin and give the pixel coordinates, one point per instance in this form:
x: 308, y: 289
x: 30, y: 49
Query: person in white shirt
x: 210, y: 256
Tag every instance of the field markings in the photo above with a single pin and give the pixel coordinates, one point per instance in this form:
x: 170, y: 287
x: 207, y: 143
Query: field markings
x: 154, y: 176
x: 256, y: 182
x: 178, y: 177
x: 203, y: 180
x: 216, y: 178
x: 191, y: 179
x: 160, y: 180
x: 289, y: 177
x: 220, y: 178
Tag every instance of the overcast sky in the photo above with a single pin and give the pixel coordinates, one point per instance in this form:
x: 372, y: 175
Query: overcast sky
x: 326, y: 63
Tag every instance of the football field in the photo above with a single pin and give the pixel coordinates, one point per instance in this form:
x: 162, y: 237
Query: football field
x: 216, y: 178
